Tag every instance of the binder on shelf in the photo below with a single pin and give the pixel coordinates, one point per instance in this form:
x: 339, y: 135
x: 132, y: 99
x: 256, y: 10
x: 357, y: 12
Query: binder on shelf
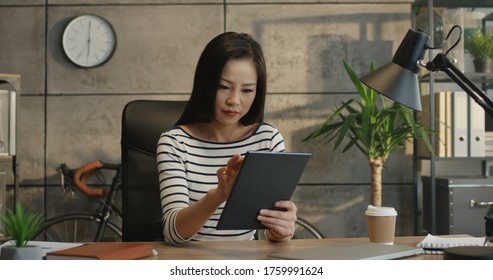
x: 448, y: 122
x: 459, y: 125
x: 477, y: 147
x: 460, y: 138
x: 488, y: 143
x: 443, y: 133
x: 444, y: 114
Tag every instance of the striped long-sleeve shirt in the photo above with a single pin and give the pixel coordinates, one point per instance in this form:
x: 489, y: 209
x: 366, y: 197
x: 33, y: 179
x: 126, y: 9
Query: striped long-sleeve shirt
x: 187, y: 170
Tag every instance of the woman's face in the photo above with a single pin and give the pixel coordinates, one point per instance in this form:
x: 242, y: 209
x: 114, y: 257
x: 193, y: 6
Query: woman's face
x: 236, y: 92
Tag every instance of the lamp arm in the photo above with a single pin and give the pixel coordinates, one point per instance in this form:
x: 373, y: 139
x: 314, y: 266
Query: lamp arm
x: 442, y: 63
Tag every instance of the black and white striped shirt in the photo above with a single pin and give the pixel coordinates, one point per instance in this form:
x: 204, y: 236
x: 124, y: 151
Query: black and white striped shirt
x: 187, y: 170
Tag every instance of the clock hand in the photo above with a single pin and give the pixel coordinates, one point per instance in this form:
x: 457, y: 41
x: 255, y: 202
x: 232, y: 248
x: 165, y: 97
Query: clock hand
x: 89, y: 39
x: 81, y: 51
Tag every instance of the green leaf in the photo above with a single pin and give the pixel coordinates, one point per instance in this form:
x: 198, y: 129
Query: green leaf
x: 21, y: 225
x: 376, y: 126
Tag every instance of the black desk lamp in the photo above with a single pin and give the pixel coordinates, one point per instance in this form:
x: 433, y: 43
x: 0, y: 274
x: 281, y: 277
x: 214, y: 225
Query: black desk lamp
x: 398, y: 80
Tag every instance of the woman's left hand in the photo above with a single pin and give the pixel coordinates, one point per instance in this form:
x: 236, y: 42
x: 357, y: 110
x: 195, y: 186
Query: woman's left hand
x: 280, y: 224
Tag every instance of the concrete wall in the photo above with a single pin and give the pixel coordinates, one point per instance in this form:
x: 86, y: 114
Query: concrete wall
x: 72, y: 115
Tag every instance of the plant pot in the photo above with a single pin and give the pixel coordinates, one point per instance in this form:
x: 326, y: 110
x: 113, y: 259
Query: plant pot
x: 483, y: 66
x: 21, y: 253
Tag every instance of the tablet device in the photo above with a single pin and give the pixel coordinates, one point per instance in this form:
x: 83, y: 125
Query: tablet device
x: 263, y: 179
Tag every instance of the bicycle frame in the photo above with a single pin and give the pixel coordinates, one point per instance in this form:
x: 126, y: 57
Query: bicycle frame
x: 106, y: 208
x: 72, y: 226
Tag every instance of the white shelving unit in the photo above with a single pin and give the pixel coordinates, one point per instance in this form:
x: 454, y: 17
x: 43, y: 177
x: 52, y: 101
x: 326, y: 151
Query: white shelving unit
x: 483, y: 79
x: 10, y: 86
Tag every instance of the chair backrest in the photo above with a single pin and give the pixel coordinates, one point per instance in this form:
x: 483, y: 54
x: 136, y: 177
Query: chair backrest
x: 142, y: 123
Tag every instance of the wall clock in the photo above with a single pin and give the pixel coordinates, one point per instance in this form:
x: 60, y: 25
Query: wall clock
x: 88, y: 41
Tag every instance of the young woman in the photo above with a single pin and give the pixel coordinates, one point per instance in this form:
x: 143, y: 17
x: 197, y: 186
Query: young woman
x: 198, y: 160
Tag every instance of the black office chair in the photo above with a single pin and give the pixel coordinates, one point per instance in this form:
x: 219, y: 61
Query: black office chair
x: 142, y: 123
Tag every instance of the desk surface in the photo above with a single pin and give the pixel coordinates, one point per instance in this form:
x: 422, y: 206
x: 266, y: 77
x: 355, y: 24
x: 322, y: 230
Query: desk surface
x: 259, y: 249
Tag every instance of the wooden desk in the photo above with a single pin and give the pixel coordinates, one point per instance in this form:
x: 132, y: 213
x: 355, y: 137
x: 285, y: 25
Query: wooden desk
x: 259, y: 249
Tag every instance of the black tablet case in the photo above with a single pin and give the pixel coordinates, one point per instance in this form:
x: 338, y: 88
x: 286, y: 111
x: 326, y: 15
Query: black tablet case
x: 263, y: 179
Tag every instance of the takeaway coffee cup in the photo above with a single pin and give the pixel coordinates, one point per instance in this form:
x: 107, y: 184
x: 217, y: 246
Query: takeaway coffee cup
x: 381, y: 224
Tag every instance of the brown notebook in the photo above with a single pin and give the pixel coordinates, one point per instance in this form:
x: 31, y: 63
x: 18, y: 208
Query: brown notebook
x: 103, y: 251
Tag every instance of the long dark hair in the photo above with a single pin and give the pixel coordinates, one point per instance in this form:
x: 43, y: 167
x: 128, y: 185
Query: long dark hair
x: 221, y: 49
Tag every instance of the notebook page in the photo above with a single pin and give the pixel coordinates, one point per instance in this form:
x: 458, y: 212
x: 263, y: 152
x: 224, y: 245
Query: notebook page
x: 435, y: 244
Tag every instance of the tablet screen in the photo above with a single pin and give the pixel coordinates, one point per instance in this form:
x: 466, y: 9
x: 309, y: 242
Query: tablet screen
x: 263, y: 179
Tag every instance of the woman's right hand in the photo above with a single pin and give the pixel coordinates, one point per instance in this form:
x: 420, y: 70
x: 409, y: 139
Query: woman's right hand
x: 190, y: 219
x: 227, y: 176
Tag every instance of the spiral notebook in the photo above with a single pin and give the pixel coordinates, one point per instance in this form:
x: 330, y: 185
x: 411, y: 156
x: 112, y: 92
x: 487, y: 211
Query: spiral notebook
x: 432, y: 244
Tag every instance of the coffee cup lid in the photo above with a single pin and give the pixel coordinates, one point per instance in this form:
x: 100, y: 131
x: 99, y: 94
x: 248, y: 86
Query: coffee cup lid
x: 380, y: 211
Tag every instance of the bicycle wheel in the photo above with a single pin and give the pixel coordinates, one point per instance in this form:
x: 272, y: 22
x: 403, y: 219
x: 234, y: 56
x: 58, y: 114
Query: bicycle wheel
x: 77, y: 228
x: 305, y: 230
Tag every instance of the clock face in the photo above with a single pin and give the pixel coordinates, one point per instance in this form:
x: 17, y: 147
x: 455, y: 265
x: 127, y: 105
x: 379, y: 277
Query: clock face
x: 88, y: 40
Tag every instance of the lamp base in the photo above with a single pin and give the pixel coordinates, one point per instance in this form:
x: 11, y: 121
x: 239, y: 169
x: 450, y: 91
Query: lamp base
x: 468, y: 253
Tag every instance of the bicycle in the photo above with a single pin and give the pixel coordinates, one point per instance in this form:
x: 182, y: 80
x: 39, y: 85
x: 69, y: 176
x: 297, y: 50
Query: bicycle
x: 95, y: 227
x: 305, y: 230
x: 87, y: 227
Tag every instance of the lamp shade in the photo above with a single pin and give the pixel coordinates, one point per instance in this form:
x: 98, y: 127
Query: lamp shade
x: 398, y: 80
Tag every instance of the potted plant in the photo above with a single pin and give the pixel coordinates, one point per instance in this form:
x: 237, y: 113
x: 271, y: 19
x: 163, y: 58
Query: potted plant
x: 21, y: 226
x: 480, y: 46
x: 375, y: 128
